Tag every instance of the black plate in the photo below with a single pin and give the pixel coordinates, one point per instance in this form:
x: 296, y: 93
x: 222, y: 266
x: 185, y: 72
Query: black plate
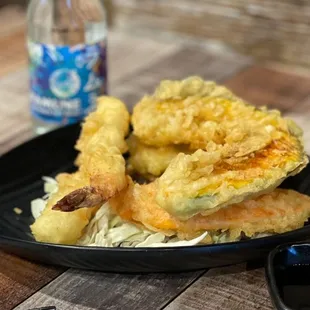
x: 21, y: 172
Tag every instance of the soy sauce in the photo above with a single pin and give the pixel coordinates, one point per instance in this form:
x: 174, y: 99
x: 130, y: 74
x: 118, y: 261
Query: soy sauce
x: 294, y: 286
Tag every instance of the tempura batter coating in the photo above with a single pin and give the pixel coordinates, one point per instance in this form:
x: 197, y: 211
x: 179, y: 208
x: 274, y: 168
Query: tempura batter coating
x: 109, y: 113
x: 61, y: 227
x: 101, y: 167
x: 150, y: 161
x: 243, y: 151
x: 195, y: 112
x: 208, y: 180
x: 277, y: 212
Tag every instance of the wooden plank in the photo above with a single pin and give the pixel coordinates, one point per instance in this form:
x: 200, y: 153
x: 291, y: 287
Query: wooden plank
x: 302, y: 119
x: 13, y: 56
x: 303, y: 107
x: 79, y: 290
x: 12, y: 19
x: 300, y: 114
x: 15, y: 126
x: 229, y: 288
x: 288, y: 68
x: 186, y: 62
x: 19, y: 279
x: 269, y: 29
x: 264, y: 86
x: 129, y: 53
x: 15, y: 83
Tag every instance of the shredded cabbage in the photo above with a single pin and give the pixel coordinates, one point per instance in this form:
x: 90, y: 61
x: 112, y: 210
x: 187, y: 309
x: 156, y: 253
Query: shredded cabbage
x: 107, y: 229
x: 179, y: 243
x: 38, y: 205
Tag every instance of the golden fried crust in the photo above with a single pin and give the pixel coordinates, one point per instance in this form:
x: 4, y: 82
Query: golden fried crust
x: 60, y: 227
x: 190, y: 112
x: 150, y: 161
x: 101, y: 168
x: 110, y: 112
x: 277, y: 212
x: 137, y: 204
x: 206, y: 181
x: 243, y: 151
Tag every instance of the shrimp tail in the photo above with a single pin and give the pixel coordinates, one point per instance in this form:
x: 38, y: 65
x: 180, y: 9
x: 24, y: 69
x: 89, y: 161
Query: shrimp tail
x: 85, y: 197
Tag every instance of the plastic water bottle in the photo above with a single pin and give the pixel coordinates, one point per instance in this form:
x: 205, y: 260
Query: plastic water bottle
x: 67, y: 60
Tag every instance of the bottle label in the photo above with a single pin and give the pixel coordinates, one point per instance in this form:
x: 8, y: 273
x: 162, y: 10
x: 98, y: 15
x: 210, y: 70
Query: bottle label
x: 66, y: 80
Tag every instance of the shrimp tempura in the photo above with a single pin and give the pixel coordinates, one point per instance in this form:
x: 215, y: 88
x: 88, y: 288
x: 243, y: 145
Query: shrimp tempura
x: 101, y: 174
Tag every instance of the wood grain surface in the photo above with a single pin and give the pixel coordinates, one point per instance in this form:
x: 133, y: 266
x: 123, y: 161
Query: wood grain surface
x: 184, y: 62
x: 94, y: 290
x: 12, y: 39
x: 228, y: 288
x: 270, y: 29
x: 19, y: 279
x: 264, y: 86
x: 285, y: 91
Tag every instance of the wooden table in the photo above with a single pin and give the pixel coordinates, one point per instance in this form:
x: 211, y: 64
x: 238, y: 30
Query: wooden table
x: 137, y: 64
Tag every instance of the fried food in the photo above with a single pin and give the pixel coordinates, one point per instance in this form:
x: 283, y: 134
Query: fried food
x: 101, y: 175
x: 110, y: 113
x: 209, y: 180
x: 195, y: 112
x: 277, y: 212
x: 61, y: 227
x: 217, y: 158
x: 150, y: 161
x: 242, y: 151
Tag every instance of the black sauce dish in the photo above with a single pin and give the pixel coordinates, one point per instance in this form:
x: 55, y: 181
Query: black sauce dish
x: 288, y: 276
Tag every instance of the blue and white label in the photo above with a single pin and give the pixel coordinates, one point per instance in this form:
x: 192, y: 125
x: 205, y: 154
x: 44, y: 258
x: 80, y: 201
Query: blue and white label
x: 66, y: 81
